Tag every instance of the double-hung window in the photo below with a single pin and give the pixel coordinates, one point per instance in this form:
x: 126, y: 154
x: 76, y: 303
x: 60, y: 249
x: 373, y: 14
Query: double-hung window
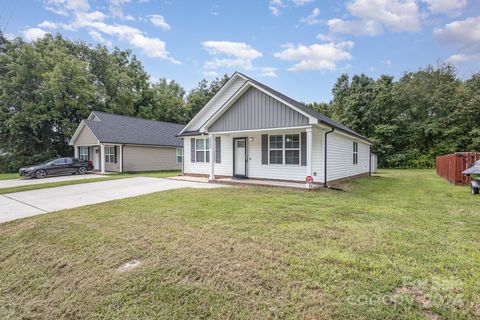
x: 292, y: 149
x: 275, y: 146
x: 179, y: 155
x: 284, y: 149
x: 83, y: 153
x: 202, y: 150
x: 355, y: 152
x: 110, y: 154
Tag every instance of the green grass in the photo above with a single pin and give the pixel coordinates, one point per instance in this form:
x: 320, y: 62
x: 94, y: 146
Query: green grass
x: 154, y: 174
x: 382, y: 249
x: 8, y: 176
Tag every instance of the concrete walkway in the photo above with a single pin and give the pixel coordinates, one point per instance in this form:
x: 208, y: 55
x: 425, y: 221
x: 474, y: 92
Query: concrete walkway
x: 29, y: 203
x: 28, y: 181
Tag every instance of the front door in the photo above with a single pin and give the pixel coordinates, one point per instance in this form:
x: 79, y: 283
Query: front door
x: 96, y: 158
x: 240, y: 157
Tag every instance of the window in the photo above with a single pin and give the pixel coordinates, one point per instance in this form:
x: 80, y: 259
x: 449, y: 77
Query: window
x: 355, y: 152
x: 284, y: 147
x: 276, y: 149
x: 179, y: 155
x: 202, y: 150
x: 292, y: 149
x: 83, y: 153
x: 59, y: 162
x: 110, y: 154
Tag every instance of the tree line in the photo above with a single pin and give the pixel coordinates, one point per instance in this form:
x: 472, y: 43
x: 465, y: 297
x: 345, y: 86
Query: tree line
x: 48, y: 86
x: 423, y: 114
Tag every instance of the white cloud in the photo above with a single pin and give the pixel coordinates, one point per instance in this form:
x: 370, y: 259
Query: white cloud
x: 301, y: 2
x: 116, y: 9
x: 316, y: 56
x: 460, y: 57
x: 32, y: 34
x: 275, y: 6
x: 159, y: 21
x: 325, y: 37
x: 48, y: 25
x: 211, y: 74
x: 312, y: 18
x: 355, y: 27
x: 376, y: 15
x: 463, y: 33
x: 99, y: 38
x: 62, y: 7
x: 235, y: 55
x: 451, y: 7
x: 268, y: 72
x: 93, y: 22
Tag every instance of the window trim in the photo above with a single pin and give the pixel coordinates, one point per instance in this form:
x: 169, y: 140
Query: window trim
x: 355, y: 153
x: 284, y: 149
x: 83, y: 156
x: 179, y: 154
x: 205, y: 149
x: 109, y: 153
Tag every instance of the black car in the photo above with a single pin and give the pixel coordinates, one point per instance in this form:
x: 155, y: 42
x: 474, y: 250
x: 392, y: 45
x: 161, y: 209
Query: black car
x: 57, y: 166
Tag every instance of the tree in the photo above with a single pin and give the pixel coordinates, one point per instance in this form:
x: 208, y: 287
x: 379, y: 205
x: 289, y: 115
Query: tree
x: 200, y: 95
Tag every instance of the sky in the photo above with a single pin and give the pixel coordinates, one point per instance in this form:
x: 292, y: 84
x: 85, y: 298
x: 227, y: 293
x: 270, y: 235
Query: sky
x: 298, y: 47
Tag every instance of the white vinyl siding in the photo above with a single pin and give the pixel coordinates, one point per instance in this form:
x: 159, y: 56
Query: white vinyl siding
x: 339, y: 157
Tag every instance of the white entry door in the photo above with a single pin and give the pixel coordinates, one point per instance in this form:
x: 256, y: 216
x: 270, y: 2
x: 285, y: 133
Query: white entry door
x: 240, y: 150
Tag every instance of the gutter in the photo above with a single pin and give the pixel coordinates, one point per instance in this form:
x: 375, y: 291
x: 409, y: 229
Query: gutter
x: 325, y: 158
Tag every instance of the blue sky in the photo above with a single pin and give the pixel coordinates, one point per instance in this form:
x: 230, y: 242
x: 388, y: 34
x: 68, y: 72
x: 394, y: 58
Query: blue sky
x: 298, y: 47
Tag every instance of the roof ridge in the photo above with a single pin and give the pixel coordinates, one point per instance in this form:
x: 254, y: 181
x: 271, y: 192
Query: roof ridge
x: 131, y: 117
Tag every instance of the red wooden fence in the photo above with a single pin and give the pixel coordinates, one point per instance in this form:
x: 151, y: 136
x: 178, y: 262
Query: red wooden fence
x: 451, y: 166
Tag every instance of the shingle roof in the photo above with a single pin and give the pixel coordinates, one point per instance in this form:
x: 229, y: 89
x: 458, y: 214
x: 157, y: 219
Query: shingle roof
x: 113, y: 128
x: 321, y: 117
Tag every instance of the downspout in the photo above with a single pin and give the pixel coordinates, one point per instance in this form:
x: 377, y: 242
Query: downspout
x: 325, y: 159
x: 123, y: 159
x: 370, y: 161
x: 183, y: 157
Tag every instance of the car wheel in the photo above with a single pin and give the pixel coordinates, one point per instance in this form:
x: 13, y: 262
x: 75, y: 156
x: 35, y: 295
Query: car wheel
x: 40, y: 174
x: 474, y: 190
x: 82, y: 170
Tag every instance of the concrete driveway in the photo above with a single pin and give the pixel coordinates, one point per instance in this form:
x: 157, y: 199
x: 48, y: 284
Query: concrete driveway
x: 28, y: 181
x: 29, y: 203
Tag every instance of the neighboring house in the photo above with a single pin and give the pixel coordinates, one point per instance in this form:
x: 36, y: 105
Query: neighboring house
x: 121, y: 143
x: 249, y: 130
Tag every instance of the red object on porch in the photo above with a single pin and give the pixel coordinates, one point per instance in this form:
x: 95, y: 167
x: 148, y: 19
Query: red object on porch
x: 451, y: 166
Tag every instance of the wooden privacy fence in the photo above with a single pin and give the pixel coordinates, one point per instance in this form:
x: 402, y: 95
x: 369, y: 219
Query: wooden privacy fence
x: 451, y: 166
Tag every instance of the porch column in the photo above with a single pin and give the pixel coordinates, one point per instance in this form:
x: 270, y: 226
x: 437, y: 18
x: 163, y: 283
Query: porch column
x: 120, y: 157
x: 75, y: 151
x: 212, y: 157
x: 102, y: 159
x: 309, y: 151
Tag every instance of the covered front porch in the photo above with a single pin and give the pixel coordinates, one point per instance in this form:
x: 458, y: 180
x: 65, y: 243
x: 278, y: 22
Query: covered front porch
x: 105, y: 157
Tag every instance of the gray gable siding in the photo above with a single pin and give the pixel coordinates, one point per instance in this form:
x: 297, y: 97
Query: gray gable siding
x: 257, y: 110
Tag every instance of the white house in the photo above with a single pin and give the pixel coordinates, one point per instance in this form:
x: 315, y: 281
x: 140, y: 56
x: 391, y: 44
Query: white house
x: 248, y: 130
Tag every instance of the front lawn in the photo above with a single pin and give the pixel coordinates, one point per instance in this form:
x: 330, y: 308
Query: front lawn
x: 8, y: 176
x: 404, y: 244
x: 48, y: 184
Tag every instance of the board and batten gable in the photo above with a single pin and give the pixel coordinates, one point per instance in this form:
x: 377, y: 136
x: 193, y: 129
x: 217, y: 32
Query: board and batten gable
x: 257, y: 110
x: 214, y: 104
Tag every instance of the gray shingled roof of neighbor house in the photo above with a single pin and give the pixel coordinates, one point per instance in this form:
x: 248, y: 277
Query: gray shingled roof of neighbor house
x: 113, y: 128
